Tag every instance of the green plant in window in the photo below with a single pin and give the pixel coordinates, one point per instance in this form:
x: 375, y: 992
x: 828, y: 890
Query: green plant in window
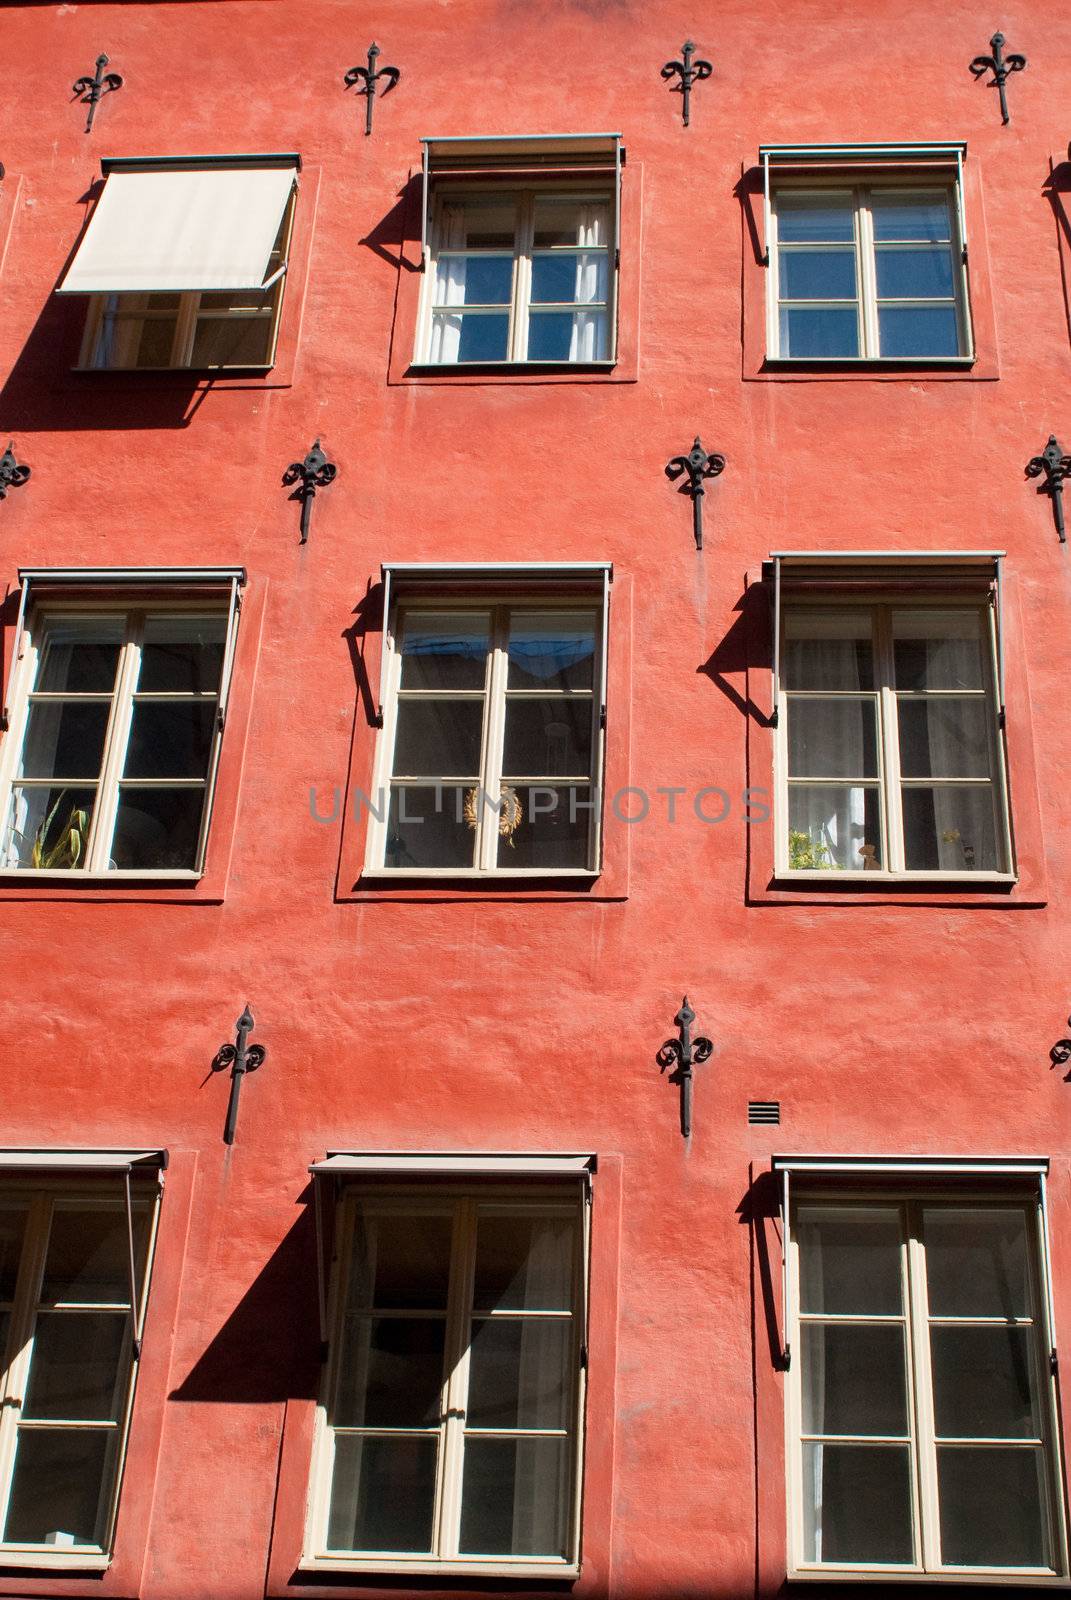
x: 808, y: 855
x: 68, y: 847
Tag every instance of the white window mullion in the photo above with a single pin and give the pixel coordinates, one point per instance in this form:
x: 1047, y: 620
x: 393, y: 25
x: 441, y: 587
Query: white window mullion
x: 27, y: 1289
x: 1002, y: 808
x: 868, y: 276
x: 494, y: 733
x: 889, y: 740
x: 522, y: 278
x: 115, y: 746
x: 457, y: 1384
x: 185, y: 323
x: 930, y: 1552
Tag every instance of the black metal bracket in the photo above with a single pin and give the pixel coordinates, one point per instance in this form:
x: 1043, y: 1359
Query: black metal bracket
x: 1000, y: 66
x: 689, y: 72
x: 91, y: 90
x: 315, y: 472
x: 12, y: 474
x: 241, y: 1057
x: 1060, y: 1054
x: 682, y: 1054
x: 1056, y: 466
x: 369, y: 75
x: 698, y: 465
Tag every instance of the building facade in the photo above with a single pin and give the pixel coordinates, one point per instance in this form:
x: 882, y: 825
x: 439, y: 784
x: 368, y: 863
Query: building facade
x: 401, y: 715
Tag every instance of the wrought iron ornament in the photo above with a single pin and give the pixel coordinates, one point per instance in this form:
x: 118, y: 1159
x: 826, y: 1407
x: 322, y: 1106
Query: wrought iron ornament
x: 1000, y: 66
x: 1056, y: 466
x: 370, y: 75
x: 689, y: 72
x: 315, y: 472
x: 1060, y: 1054
x: 90, y: 90
x: 241, y: 1057
x: 698, y: 465
x: 682, y: 1055
x: 12, y: 474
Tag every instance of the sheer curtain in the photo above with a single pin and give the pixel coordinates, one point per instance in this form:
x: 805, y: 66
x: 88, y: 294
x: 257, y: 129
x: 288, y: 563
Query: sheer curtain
x: 450, y: 275
x: 833, y: 815
x: 540, y: 1490
x: 588, y: 341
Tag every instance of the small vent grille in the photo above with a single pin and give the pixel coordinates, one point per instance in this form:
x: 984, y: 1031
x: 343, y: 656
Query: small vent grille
x: 764, y: 1111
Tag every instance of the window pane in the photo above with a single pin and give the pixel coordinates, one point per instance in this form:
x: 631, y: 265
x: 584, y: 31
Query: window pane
x: 182, y: 655
x: 567, y: 336
x: 390, y: 1372
x: 475, y: 336
x: 582, y: 277
x: 65, y: 740
x: 832, y: 739
x: 992, y: 1507
x: 547, y: 738
x: 817, y: 274
x: 170, y: 739
x: 56, y: 1491
x: 88, y: 1260
x: 135, y: 342
x: 519, y: 1372
x: 12, y: 1228
x: 76, y: 1370
x: 561, y: 221
x: 938, y: 649
x: 239, y: 341
x: 853, y: 1379
x: 828, y: 650
x: 382, y: 1494
x: 444, y: 650
x: 910, y: 216
x: 79, y: 656
x: 438, y: 737
x: 857, y: 1503
x: 944, y: 738
x: 551, y: 828
x: 976, y: 1262
x: 49, y: 828
x: 815, y: 219
x: 827, y: 333
x: 474, y: 281
x: 514, y: 1497
x: 918, y: 331
x: 426, y: 827
x: 849, y: 1261
x: 914, y: 274
x: 950, y: 830
x: 983, y: 1382
x: 834, y: 826
x: 400, y: 1261
x: 157, y: 828
x: 478, y: 225
x: 523, y: 1262
x: 551, y: 650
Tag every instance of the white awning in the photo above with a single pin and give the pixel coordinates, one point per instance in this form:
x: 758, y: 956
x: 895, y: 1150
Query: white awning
x: 342, y: 1164
x: 176, y: 226
x: 24, y: 1159
x: 1033, y: 1167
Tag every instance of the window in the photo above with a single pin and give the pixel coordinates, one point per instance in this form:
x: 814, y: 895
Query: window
x: 66, y: 1332
x: 491, y: 753
x: 111, y: 757
x: 454, y: 1394
x: 889, y: 745
x: 921, y: 1395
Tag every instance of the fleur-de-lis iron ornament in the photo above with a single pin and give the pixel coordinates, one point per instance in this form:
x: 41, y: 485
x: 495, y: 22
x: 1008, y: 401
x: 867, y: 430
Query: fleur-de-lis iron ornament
x: 90, y: 90
x: 1000, y: 66
x: 698, y: 465
x: 689, y: 72
x: 241, y: 1057
x: 12, y: 473
x: 1060, y: 1054
x: 682, y: 1054
x: 1056, y: 466
x: 369, y: 76
x: 315, y: 472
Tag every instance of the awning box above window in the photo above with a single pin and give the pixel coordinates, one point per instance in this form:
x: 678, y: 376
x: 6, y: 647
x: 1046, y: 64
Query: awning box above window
x: 183, y: 224
x: 342, y: 1164
x: 23, y: 1159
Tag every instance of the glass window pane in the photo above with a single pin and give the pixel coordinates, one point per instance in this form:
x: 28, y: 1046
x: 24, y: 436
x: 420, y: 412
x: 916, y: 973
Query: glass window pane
x: 827, y: 333
x: 828, y: 650
x: 142, y: 344
x: 817, y: 274
x: 939, y: 649
x: 170, y: 739
x: 914, y: 274
x: 472, y: 336
x: 950, y: 830
x: 857, y: 1503
x: 547, y: 738
x: 390, y: 1372
x: 523, y: 1262
x: 976, y: 1262
x: 382, y: 1494
x: 474, y: 281
x: 182, y: 655
x: 48, y: 828
x: 992, y: 1507
x: 567, y: 336
x: 77, y: 1373
x: 563, y: 221
x: 488, y: 224
x: 238, y: 341
x: 56, y: 1493
x: 444, y: 650
x: 832, y: 738
x: 79, y: 656
x: 902, y: 215
x: 565, y: 276
x: 438, y: 737
x: 551, y: 650
x: 834, y: 827
x: 853, y: 1378
x: 815, y: 218
x: 65, y: 740
x: 12, y: 1228
x: 427, y: 826
x: 984, y: 1384
x: 944, y: 738
x: 849, y: 1261
x: 918, y: 331
x: 545, y: 825
x: 157, y: 828
x: 400, y: 1261
x: 519, y: 1372
x: 88, y: 1260
x: 515, y: 1496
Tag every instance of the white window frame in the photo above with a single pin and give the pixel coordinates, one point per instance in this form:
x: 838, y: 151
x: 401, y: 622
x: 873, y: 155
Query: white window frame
x: 910, y: 1196
x: 43, y: 1198
x: 866, y: 298
x: 888, y: 781
x: 132, y: 615
x: 487, y: 854
x: 561, y: 1198
x: 519, y: 308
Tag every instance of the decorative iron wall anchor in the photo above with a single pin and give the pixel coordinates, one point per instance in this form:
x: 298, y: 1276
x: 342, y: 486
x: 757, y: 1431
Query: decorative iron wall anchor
x: 698, y: 465
x: 1000, y: 66
x: 90, y: 90
x: 12, y: 474
x: 1060, y: 1054
x: 241, y: 1057
x: 682, y: 1054
x: 315, y: 472
x: 370, y: 75
x: 1056, y: 466
x: 689, y: 72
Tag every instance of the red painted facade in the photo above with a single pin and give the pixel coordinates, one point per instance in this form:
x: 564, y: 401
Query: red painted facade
x: 465, y: 1017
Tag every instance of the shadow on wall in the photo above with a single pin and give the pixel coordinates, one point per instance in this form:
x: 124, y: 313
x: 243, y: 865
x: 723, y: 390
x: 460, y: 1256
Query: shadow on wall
x: 741, y: 649
x: 1057, y: 191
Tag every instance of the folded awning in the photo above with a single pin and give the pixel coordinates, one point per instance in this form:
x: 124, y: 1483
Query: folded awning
x: 346, y: 1164
x: 183, y: 224
x: 43, y: 1159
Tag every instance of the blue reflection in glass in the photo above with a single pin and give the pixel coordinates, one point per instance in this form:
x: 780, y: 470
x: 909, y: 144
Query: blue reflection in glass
x: 483, y: 338
x: 817, y: 274
x: 818, y: 333
x: 806, y: 219
x: 911, y: 216
x: 918, y: 331
x: 482, y: 280
x: 914, y: 275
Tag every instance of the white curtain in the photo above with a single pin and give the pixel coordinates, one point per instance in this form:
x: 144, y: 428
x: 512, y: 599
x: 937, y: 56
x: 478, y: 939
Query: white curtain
x: 832, y: 815
x: 588, y: 341
x: 450, y: 274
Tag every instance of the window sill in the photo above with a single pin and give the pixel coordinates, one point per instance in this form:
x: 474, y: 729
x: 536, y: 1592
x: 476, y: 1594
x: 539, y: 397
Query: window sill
x: 477, y: 874
x: 197, y: 374
x: 979, y: 1577
x: 95, y: 880
x: 887, y: 369
x: 868, y: 363
x: 561, y: 1570
x: 895, y: 880
x: 46, y: 1561
x: 514, y: 372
